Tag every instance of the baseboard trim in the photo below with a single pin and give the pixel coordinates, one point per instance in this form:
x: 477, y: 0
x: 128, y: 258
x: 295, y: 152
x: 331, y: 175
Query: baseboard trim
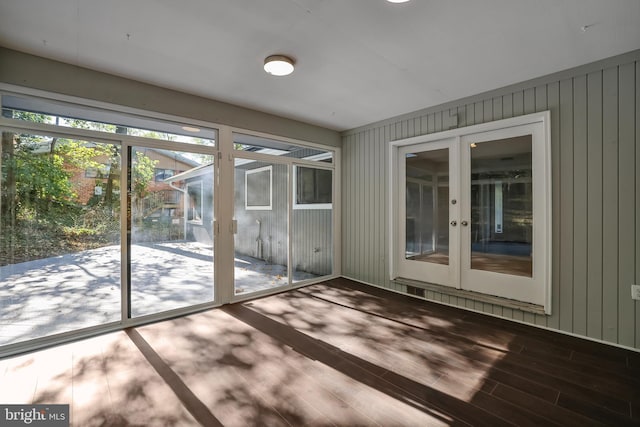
x: 475, y: 296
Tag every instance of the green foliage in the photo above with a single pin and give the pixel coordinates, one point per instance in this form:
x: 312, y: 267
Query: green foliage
x: 142, y: 174
x: 86, y: 124
x: 31, y: 116
x: 41, y: 212
x: 151, y: 134
x: 40, y: 178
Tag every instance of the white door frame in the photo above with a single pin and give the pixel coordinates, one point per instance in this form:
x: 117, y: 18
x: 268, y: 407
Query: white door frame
x: 541, y: 147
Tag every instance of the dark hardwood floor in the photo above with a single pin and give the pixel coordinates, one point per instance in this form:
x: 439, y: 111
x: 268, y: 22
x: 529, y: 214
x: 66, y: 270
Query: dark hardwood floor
x: 336, y: 353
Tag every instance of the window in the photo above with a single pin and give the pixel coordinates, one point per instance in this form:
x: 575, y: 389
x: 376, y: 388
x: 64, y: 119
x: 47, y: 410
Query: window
x: 55, y: 226
x: 258, y: 188
x: 100, y: 171
x: 161, y: 174
x: 81, y: 117
x: 62, y: 209
x: 272, y: 147
x: 312, y: 188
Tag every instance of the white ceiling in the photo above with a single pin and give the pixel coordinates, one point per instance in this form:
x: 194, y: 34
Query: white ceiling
x: 358, y: 61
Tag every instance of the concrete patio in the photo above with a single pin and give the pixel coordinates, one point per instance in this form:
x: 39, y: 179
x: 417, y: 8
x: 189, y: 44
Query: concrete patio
x: 79, y: 290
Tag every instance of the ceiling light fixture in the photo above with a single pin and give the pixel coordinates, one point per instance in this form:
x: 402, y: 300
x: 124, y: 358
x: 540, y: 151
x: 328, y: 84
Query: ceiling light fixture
x: 397, y: 1
x: 190, y: 129
x: 278, y: 65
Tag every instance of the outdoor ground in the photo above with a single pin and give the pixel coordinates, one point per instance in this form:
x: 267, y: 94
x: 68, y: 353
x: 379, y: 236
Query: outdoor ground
x: 73, y: 291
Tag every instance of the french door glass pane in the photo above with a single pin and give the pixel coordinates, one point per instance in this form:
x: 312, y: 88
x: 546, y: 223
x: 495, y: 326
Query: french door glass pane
x: 502, y: 206
x: 261, y: 211
x: 59, y: 235
x: 171, y: 249
x: 427, y: 206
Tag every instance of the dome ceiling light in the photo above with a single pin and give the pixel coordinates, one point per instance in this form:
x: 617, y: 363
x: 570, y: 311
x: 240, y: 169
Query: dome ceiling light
x: 278, y: 65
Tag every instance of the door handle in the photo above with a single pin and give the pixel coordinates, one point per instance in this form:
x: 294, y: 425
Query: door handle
x: 454, y: 223
x: 464, y: 223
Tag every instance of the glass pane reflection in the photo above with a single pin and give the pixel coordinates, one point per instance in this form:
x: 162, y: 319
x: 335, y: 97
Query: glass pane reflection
x: 427, y: 208
x: 502, y: 206
x: 171, y: 250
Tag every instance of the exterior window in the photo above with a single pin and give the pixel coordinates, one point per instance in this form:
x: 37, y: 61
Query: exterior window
x: 312, y: 188
x: 161, y: 174
x: 100, y: 171
x: 76, y: 116
x: 258, y: 188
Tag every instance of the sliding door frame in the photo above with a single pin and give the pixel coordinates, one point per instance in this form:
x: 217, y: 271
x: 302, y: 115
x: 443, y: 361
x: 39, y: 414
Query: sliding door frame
x: 227, y: 169
x: 223, y: 152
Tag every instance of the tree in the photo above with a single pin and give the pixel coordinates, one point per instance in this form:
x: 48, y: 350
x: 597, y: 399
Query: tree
x: 8, y: 195
x: 17, y: 168
x: 141, y: 176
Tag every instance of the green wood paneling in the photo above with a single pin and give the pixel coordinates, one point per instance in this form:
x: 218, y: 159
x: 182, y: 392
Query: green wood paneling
x: 566, y: 205
x: 497, y: 108
x: 360, y: 194
x: 553, y: 103
x: 637, y: 260
x: 541, y: 105
x: 529, y: 100
x: 594, y: 205
x: 610, y: 205
x: 626, y: 202
x: 580, y: 217
x: 478, y: 112
x: 431, y: 123
x: 438, y: 122
x: 469, y: 115
x: 507, y: 106
x: 518, y: 103
x: 487, y: 110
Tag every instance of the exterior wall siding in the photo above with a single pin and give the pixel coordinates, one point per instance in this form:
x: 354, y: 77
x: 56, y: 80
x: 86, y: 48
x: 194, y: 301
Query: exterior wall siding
x: 310, y: 228
x: 312, y: 250
x: 273, y: 223
x: 595, y: 137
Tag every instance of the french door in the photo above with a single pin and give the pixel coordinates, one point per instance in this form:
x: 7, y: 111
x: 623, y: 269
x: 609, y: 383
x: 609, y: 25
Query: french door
x: 428, y: 208
x: 473, y: 212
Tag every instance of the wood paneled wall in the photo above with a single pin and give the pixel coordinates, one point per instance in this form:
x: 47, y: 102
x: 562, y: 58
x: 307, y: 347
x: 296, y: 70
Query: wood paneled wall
x: 595, y: 137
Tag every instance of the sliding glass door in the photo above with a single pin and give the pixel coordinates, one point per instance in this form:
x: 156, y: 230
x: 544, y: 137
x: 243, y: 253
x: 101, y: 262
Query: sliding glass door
x: 59, y: 234
x: 171, y: 200
x: 283, y: 214
x: 109, y: 220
